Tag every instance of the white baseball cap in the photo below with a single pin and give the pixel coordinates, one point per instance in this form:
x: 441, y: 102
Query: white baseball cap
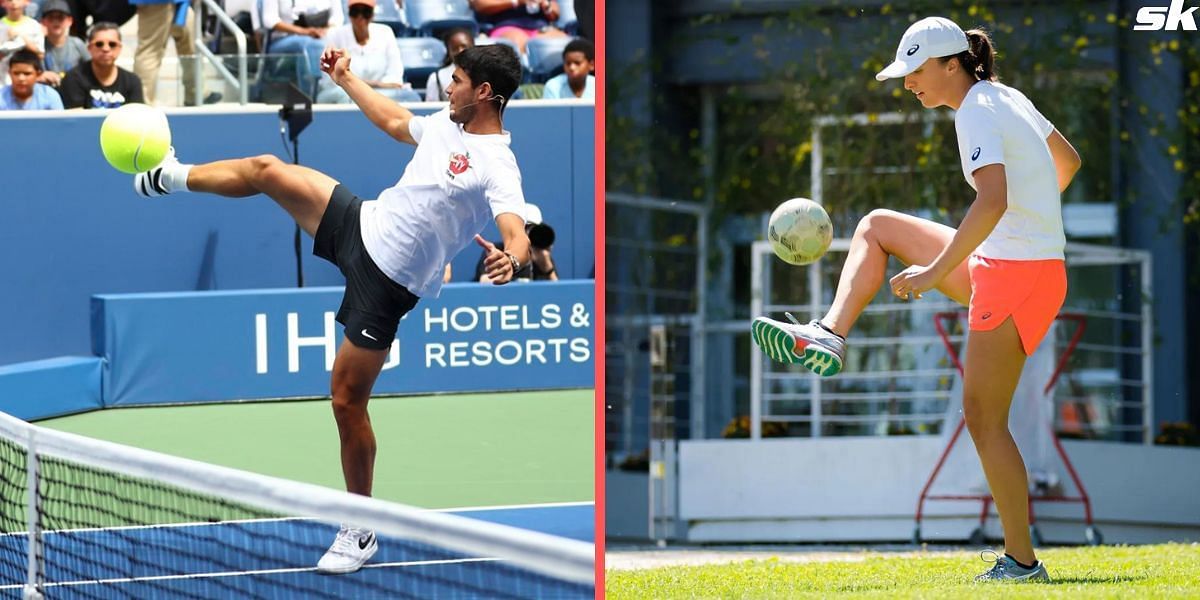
x: 931, y: 37
x: 532, y: 214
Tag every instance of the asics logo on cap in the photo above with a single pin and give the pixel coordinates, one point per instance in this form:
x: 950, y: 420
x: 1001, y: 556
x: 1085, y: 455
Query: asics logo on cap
x: 975, y: 154
x: 913, y: 50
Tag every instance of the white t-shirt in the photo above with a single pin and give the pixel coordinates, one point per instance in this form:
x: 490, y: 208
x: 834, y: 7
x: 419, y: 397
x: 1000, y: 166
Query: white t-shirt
x: 997, y: 124
x: 454, y: 185
x: 377, y: 60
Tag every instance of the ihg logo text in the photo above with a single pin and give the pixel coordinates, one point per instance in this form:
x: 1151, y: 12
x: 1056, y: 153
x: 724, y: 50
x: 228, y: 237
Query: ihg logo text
x: 1158, y: 18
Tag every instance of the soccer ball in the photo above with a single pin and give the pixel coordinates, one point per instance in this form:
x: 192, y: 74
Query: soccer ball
x: 799, y: 231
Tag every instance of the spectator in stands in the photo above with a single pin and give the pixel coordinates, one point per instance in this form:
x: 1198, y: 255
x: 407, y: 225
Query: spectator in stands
x: 17, y: 32
x: 299, y: 27
x: 576, y: 80
x: 374, y: 56
x: 518, y: 20
x: 63, y: 51
x: 456, y: 40
x: 26, y: 93
x: 99, y: 82
x: 158, y: 21
x: 245, y: 14
x: 541, y: 239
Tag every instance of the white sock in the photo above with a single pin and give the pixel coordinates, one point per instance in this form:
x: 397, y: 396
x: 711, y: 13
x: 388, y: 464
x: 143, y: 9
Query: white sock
x: 174, y: 177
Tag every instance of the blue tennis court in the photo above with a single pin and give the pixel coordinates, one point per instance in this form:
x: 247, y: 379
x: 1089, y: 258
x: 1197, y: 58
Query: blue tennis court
x: 276, y: 558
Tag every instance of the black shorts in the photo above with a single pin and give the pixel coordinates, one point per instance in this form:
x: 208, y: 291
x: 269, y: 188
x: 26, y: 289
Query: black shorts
x: 373, y: 304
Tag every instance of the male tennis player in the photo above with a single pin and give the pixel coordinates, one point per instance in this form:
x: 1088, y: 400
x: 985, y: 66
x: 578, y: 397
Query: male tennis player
x: 392, y: 251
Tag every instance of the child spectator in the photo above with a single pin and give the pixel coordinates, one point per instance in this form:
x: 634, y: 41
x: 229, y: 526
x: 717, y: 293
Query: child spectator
x: 456, y: 40
x: 576, y: 80
x: 63, y: 52
x: 17, y: 32
x: 25, y: 93
x: 99, y: 82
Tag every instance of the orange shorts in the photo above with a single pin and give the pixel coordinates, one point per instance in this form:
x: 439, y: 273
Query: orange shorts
x: 1030, y: 291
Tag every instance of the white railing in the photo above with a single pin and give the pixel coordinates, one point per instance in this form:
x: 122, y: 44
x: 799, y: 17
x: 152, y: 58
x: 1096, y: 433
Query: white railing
x: 240, y: 82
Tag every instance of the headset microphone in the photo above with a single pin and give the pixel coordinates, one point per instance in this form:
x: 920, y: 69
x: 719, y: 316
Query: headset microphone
x: 482, y: 101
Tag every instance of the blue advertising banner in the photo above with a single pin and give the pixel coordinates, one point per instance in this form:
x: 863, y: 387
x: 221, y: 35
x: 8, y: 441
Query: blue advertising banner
x: 259, y: 344
x: 51, y: 387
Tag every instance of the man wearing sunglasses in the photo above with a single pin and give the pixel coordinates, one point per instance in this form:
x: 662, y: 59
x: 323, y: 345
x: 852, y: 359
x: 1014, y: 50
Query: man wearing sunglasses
x: 99, y: 82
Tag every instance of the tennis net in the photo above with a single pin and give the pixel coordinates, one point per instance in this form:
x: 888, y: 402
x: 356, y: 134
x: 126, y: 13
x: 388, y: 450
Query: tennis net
x: 84, y: 518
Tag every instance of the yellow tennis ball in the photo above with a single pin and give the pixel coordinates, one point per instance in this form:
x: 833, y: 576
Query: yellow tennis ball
x: 135, y: 138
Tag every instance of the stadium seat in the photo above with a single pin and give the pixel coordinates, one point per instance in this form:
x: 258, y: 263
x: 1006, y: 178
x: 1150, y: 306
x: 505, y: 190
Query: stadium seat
x: 510, y: 44
x: 428, y: 17
x: 421, y: 57
x: 388, y: 13
x: 545, y: 57
x: 567, y: 21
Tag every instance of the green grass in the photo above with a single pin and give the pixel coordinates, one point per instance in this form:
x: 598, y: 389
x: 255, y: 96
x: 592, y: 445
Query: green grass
x: 1159, y: 571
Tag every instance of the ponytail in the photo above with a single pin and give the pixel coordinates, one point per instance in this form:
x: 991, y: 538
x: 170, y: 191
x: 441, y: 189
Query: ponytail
x: 980, y: 59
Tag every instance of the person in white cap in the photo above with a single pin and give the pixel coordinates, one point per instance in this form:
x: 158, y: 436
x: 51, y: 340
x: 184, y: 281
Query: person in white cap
x: 1005, y: 260
x: 541, y: 240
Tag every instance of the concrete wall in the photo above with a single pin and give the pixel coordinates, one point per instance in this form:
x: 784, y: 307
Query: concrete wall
x: 866, y: 489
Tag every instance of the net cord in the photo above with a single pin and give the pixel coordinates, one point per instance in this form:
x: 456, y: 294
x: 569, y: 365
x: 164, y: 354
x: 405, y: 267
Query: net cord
x: 557, y: 557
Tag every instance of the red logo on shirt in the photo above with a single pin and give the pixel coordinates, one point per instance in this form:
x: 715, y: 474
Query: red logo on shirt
x: 459, y: 163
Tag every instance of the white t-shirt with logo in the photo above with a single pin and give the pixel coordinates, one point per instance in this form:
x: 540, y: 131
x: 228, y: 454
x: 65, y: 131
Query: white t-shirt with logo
x: 997, y: 124
x: 454, y: 185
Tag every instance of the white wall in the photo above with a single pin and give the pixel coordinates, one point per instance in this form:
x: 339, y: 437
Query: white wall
x: 866, y: 489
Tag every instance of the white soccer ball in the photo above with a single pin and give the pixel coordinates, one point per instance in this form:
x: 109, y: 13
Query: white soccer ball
x: 800, y: 231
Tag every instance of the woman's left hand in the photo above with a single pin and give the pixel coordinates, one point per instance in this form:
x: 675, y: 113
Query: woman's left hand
x: 915, y: 280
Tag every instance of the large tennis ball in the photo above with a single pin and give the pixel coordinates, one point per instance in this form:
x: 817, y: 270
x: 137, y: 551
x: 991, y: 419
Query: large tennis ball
x: 135, y: 138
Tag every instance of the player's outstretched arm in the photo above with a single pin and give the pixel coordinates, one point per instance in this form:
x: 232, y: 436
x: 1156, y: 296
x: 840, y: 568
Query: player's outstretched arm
x: 382, y: 111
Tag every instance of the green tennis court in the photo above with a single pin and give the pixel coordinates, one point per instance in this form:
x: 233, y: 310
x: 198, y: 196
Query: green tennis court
x: 434, y: 451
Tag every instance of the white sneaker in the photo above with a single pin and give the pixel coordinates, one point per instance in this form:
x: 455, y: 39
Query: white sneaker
x: 351, y: 549
x: 150, y: 184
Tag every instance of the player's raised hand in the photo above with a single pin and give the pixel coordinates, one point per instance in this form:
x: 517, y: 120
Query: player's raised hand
x: 914, y: 280
x: 496, y: 265
x: 336, y: 63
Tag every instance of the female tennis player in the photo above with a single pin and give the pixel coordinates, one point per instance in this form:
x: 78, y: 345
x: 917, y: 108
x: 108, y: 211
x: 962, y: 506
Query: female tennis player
x: 1005, y: 260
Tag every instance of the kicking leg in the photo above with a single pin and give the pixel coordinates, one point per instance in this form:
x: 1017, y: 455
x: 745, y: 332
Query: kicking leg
x: 302, y: 192
x: 820, y: 346
x: 881, y: 234
x: 992, y: 369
